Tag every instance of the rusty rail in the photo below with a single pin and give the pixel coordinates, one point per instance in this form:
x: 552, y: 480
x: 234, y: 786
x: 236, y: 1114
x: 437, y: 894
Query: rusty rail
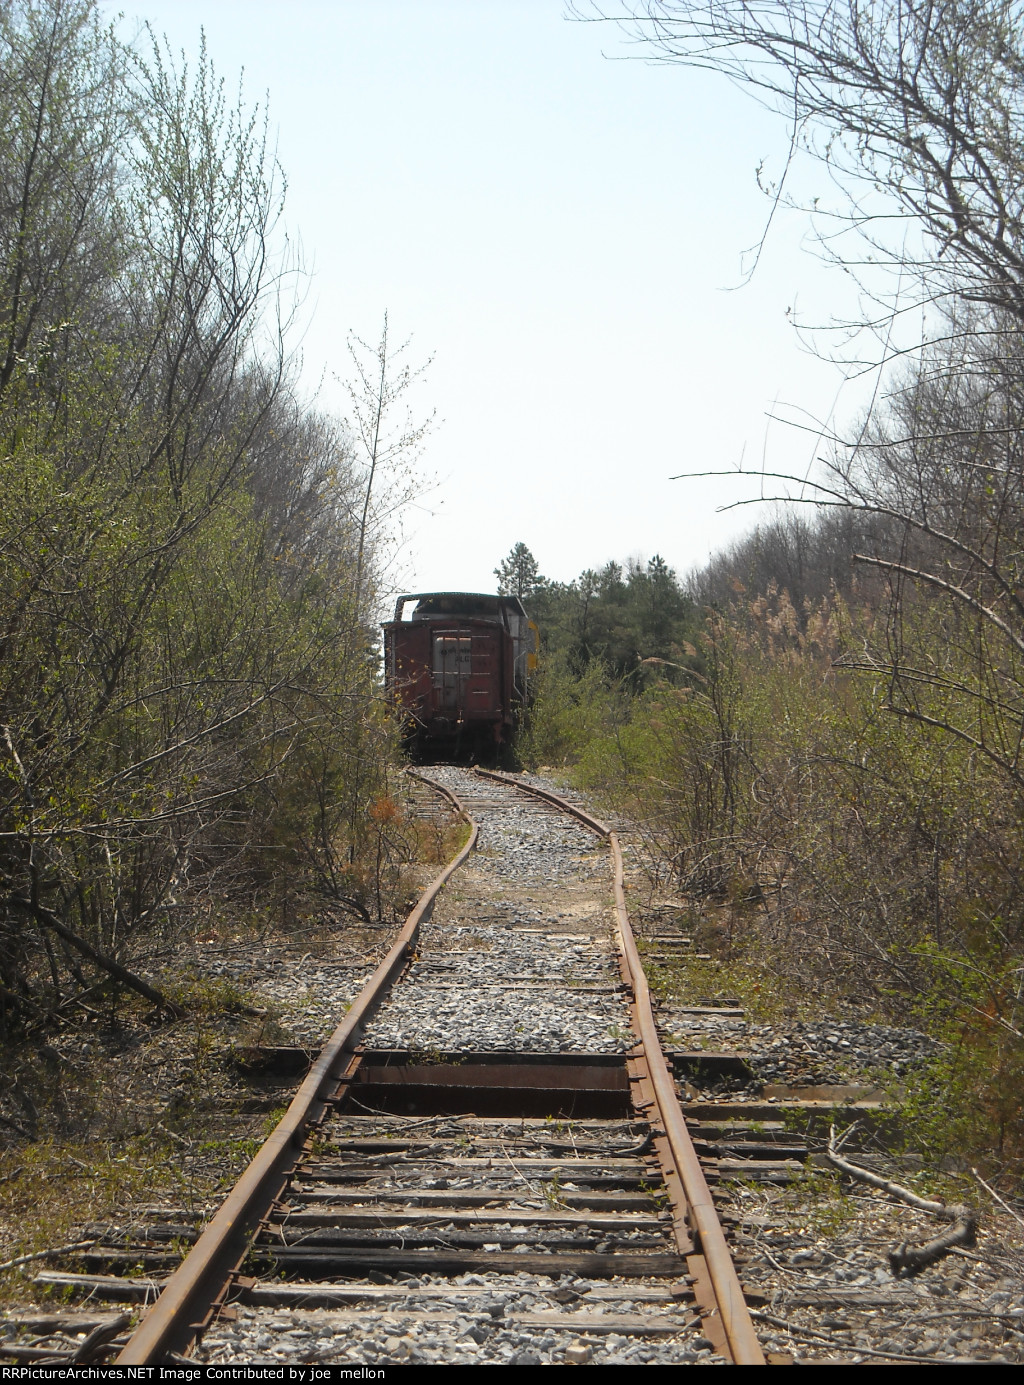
x: 200, y: 1283
x: 200, y: 1280
x: 687, y: 1175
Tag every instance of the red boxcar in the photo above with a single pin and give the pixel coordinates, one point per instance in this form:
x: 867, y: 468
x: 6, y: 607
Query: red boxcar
x: 459, y: 665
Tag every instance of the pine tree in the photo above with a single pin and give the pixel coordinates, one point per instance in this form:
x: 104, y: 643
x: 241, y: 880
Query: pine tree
x: 519, y: 574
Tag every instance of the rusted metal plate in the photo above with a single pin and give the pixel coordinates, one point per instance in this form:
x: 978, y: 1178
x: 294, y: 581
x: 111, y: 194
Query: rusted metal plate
x: 510, y: 1077
x: 513, y: 1085
x: 706, y: 1065
x: 563, y: 1103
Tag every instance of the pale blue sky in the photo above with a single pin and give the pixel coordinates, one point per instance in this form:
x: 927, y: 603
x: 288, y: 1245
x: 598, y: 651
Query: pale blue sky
x: 559, y: 229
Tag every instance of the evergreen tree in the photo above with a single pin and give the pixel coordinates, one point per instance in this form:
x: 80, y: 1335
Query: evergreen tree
x: 519, y: 574
x: 616, y: 616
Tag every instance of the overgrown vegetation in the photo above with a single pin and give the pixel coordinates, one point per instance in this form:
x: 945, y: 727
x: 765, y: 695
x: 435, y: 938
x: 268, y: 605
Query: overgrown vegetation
x: 189, y: 551
x: 833, y: 787
x: 826, y: 852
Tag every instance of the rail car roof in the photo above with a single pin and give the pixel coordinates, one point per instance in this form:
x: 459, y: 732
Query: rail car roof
x: 479, y: 604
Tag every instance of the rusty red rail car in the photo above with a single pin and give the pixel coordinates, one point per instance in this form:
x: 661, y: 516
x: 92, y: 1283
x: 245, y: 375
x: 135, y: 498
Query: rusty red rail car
x: 458, y: 665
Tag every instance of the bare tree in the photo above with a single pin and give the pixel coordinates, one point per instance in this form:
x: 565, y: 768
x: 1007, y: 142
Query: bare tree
x: 387, y: 447
x: 916, y: 109
x: 60, y: 127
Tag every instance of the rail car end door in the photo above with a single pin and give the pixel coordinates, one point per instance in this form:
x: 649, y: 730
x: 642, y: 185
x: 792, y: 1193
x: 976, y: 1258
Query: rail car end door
x: 452, y: 667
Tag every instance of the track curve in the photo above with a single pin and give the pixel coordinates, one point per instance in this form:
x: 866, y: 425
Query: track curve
x: 565, y: 1082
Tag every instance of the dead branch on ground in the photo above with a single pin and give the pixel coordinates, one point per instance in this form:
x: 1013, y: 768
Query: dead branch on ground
x: 907, y: 1260
x: 45, y: 1254
x: 99, y: 1337
x: 48, y: 919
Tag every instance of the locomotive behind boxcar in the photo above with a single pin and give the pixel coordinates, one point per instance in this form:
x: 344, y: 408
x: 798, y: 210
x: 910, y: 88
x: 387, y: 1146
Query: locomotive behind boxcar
x: 459, y: 666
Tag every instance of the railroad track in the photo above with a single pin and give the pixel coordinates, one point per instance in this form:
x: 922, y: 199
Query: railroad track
x: 488, y: 1160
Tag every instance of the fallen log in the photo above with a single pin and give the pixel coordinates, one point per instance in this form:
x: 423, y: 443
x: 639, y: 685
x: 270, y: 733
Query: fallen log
x: 43, y: 1323
x: 45, y: 1254
x: 907, y: 1260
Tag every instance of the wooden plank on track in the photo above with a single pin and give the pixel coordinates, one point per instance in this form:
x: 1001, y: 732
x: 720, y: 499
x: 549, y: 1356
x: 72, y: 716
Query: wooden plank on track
x: 595, y: 1324
x: 766, y: 1111
x: 427, y: 1235
x: 360, y: 1260
x: 297, y: 1294
x: 759, y: 1170
x: 421, y: 1216
x: 629, y: 1128
x: 448, y: 1165
x: 129, y: 1256
x: 777, y: 1150
x: 466, y: 1197
x: 103, y: 1285
x: 608, y: 1182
